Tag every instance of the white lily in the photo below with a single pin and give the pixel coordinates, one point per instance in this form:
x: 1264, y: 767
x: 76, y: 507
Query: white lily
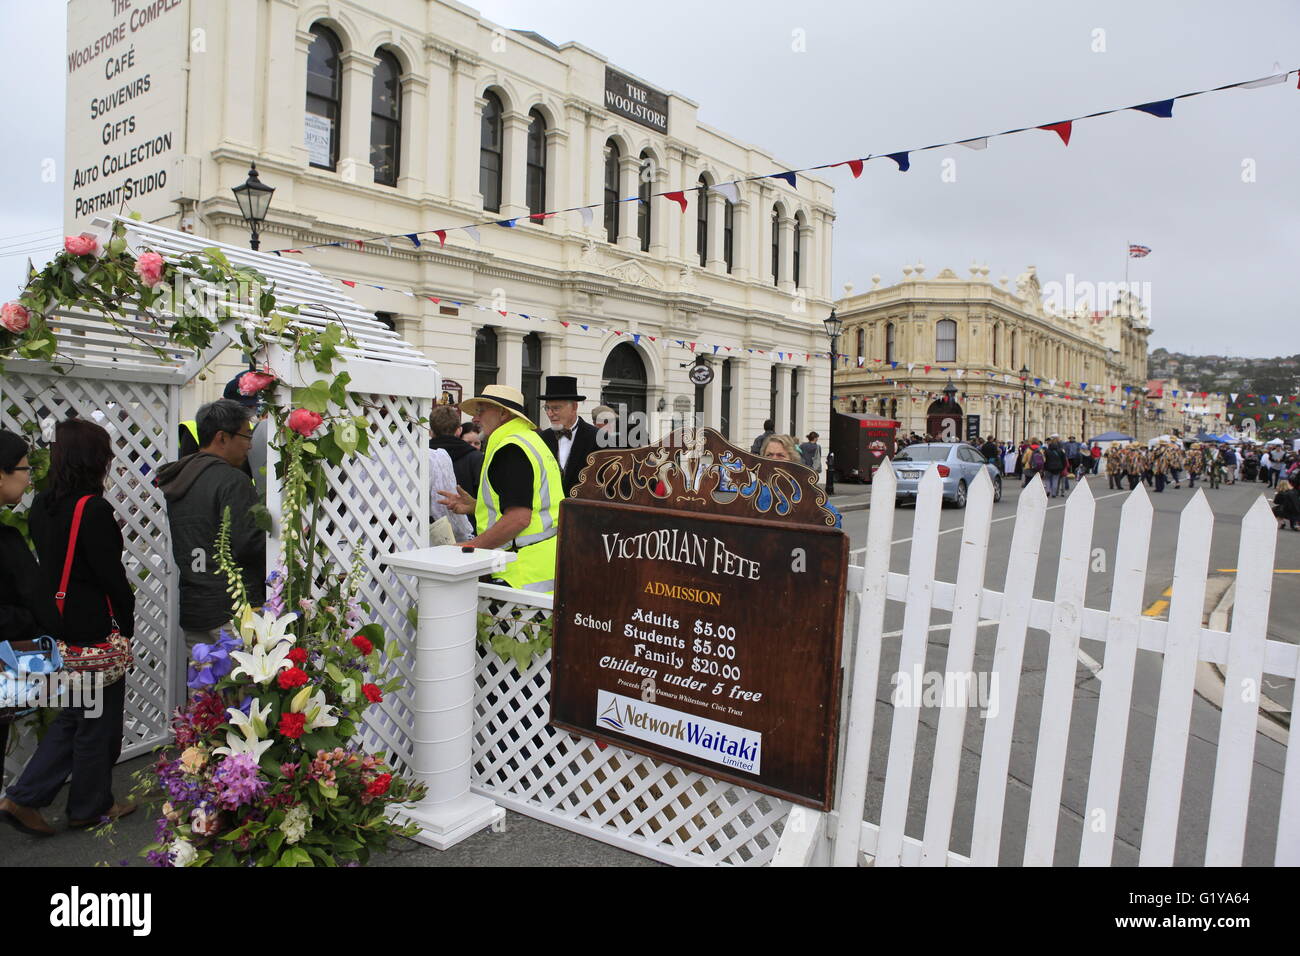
x: 264, y: 630
x: 251, y: 728
x: 319, y: 713
x: 261, y: 664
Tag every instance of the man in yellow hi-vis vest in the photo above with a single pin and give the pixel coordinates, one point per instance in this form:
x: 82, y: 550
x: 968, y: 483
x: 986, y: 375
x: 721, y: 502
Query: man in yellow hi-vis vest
x: 519, y: 493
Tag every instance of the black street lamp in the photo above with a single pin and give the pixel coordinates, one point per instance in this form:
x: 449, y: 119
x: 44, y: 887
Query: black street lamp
x: 1024, y: 403
x: 834, y: 326
x: 254, y: 198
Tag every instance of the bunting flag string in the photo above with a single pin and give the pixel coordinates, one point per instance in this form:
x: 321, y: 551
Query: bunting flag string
x: 1163, y: 109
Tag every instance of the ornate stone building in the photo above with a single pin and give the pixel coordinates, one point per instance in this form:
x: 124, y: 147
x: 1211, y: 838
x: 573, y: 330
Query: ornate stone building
x: 395, y: 117
x: 903, y: 343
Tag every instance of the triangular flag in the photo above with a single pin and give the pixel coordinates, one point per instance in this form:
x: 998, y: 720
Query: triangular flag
x: 1162, y: 108
x: 507, y: 223
x: 692, y: 346
x: 731, y: 190
x: 586, y: 214
x: 442, y: 236
x: 472, y: 231
x: 636, y: 337
x: 1233, y: 396
x: 349, y: 283
x: 585, y: 327
x: 981, y: 143
x: 904, y: 164
x: 433, y: 298
x: 855, y: 165
x: 788, y: 177
x: 276, y: 251
x: 415, y: 239
x: 1267, y: 81
x: 541, y: 216
x: 715, y: 349
x: 678, y: 197
x: 563, y: 323
x: 1062, y: 130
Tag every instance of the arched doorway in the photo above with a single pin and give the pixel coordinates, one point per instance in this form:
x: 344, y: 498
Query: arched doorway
x: 623, y: 381
x: 944, y: 420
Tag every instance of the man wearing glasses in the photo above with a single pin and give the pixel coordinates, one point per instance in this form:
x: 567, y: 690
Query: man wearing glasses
x: 198, y: 488
x: 569, y: 438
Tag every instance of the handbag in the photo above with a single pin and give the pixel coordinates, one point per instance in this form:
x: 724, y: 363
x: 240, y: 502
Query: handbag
x: 110, y: 659
x: 24, y: 667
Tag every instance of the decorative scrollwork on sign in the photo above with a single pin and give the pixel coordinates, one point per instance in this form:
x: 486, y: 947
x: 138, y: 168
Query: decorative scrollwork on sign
x: 696, y: 469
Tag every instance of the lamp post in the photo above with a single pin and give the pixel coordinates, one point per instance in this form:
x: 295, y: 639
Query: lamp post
x: 1024, y: 403
x: 834, y: 325
x: 254, y: 198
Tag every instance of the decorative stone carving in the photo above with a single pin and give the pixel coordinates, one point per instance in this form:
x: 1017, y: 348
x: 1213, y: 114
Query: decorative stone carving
x: 632, y: 272
x: 686, y: 279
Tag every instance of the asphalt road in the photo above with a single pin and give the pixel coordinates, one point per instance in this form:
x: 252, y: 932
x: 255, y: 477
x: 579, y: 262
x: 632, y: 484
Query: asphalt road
x: 1228, y: 504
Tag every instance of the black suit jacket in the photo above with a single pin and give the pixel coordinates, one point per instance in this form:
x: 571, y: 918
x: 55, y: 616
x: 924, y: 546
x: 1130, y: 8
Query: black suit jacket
x: 584, y: 443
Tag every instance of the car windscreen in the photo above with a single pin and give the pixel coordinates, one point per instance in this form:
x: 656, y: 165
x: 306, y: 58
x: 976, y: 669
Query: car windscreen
x: 923, y: 454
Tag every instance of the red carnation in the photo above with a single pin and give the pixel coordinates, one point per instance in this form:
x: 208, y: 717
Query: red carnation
x: 372, y: 692
x: 298, y: 655
x: 292, y: 725
x: 379, y: 786
x: 362, y: 643
x: 292, y: 678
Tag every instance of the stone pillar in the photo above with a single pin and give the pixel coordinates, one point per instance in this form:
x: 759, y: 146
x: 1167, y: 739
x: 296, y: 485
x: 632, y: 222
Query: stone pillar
x: 713, y: 399
x: 782, y: 419
x: 629, y: 169
x: 436, y: 151
x: 786, y: 283
x: 514, y: 159
x: 595, y: 163
x: 466, y: 131
x: 286, y: 69
x: 354, y: 147
x: 741, y: 251
x: 510, y: 357
x: 414, y: 145
x: 559, y: 191
x: 715, y: 262
x: 670, y: 229
x: 240, y: 76
x: 443, y: 690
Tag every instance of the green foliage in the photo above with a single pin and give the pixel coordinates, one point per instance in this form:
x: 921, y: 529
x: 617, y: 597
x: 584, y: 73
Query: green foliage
x: 531, y: 639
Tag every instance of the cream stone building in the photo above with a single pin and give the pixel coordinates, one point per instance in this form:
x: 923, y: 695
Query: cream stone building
x: 1174, y: 407
x: 396, y: 117
x: 904, y: 343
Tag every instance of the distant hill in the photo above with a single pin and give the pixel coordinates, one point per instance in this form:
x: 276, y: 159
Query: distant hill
x: 1258, y: 383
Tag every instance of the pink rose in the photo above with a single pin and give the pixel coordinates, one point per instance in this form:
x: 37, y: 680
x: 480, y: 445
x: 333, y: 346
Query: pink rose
x: 304, y: 421
x: 205, y: 822
x: 15, y: 317
x: 250, y: 383
x: 82, y: 245
x: 149, y: 267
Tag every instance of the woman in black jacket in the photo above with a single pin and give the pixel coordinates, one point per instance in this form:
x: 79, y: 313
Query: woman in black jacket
x: 26, y: 612
x: 82, y: 742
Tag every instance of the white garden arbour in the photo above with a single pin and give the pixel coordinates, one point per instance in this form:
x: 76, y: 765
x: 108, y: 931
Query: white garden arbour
x: 115, y: 375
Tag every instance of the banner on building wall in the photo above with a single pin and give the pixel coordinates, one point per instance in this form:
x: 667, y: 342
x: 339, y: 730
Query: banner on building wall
x: 633, y: 100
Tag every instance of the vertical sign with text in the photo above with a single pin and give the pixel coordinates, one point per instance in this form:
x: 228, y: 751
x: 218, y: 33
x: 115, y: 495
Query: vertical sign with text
x: 126, y: 62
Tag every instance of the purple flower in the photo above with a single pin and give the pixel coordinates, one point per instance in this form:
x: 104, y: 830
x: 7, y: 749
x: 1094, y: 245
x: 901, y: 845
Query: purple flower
x: 209, y: 663
x: 238, y: 782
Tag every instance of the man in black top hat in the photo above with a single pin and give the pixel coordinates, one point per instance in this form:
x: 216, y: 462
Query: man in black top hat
x: 569, y: 438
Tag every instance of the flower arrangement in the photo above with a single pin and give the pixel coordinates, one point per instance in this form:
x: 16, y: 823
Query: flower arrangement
x: 264, y: 770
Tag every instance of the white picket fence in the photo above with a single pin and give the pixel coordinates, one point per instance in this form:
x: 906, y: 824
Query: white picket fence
x: 1245, y: 655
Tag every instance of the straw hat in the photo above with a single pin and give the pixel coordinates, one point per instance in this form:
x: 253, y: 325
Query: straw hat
x: 502, y: 396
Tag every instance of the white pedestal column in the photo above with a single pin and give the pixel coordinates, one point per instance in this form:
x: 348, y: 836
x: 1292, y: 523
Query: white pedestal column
x: 443, y: 736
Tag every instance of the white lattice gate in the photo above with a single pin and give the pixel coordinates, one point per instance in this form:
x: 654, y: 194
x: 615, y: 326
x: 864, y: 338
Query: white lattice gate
x: 141, y: 417
x: 612, y: 795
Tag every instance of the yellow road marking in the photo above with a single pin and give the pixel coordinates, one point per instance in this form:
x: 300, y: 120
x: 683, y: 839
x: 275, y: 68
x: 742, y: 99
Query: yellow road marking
x: 1159, y: 607
x: 1275, y: 570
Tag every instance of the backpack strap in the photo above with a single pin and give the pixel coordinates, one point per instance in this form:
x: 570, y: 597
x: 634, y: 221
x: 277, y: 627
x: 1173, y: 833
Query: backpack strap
x: 62, y: 593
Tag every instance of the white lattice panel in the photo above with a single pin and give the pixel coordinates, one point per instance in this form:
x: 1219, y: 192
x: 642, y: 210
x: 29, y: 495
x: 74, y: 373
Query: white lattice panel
x: 382, y: 503
x: 613, y: 795
x: 142, y: 419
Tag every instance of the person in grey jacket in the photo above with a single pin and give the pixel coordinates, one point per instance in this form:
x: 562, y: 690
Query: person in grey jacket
x: 198, y: 488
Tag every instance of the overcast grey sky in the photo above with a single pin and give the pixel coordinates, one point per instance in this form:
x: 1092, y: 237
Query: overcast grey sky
x: 882, y: 76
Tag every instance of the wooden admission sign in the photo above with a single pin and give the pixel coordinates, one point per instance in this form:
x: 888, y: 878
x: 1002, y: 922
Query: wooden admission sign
x: 699, y: 607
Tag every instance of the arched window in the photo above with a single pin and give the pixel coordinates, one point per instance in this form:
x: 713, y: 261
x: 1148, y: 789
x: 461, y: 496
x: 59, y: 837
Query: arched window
x: 702, y: 222
x: 945, y: 341
x: 728, y: 233
x: 612, y: 158
x: 489, y: 153
x: 536, y: 163
x: 324, y: 98
x: 485, y: 358
x: 643, y: 208
x: 776, y: 245
x: 386, y: 118
x: 725, y: 425
x: 862, y: 345
x: 890, y: 356
x: 997, y: 334
x: 798, y: 245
